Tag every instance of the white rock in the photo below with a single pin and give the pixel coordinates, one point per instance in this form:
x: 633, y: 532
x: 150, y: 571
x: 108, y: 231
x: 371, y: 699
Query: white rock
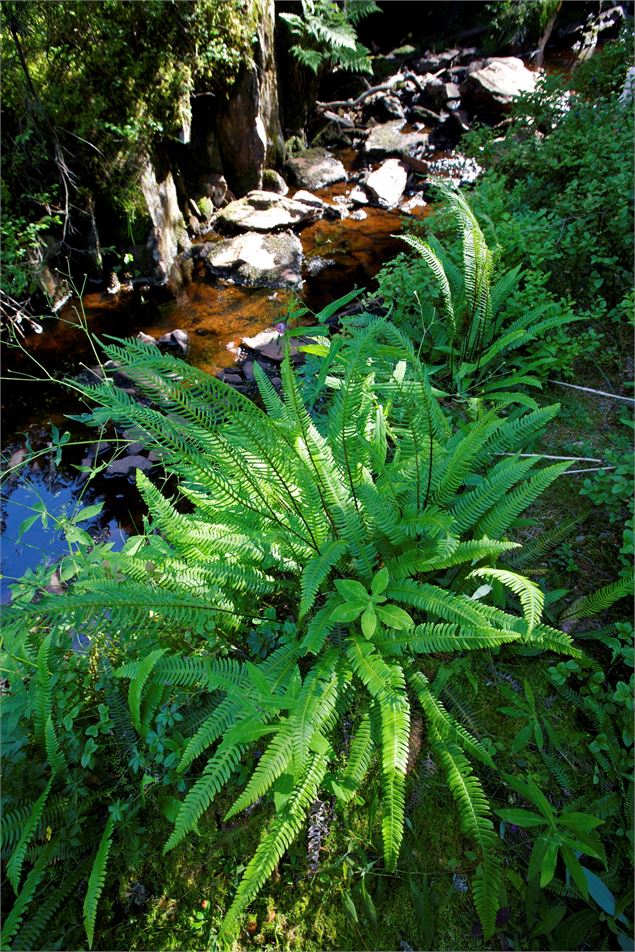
x: 388, y: 182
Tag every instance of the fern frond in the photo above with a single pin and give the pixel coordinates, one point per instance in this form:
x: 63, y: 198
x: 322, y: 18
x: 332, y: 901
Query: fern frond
x: 214, y: 777
x: 530, y: 595
x: 97, y: 879
x: 432, y: 638
x: 274, y: 762
x: 30, y: 935
x: 474, y: 816
x: 448, y: 727
x: 501, y: 516
x: 14, y: 866
x: 43, y: 701
x: 32, y: 881
x: 395, y: 737
x: 281, y: 832
x: 54, y: 753
x: 316, y: 571
x: 600, y: 600
x: 137, y: 684
x: 359, y: 759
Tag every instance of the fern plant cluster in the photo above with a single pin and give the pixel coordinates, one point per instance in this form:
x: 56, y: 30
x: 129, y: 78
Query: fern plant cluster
x: 380, y: 529
x: 325, y: 35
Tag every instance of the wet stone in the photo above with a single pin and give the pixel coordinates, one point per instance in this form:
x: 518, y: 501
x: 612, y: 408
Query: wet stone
x: 387, y: 140
x: 266, y: 211
x: 257, y: 260
x: 315, y: 168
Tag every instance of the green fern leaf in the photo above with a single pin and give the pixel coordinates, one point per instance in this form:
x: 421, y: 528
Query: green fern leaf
x: 474, y: 815
x: 359, y: 759
x: 137, y: 685
x: 32, y: 881
x: 281, y: 832
x: 97, y: 879
x: 600, y: 600
x: 214, y: 777
x: 531, y: 597
x: 316, y: 571
x: 274, y: 762
x: 14, y: 866
x: 395, y: 736
x: 448, y: 727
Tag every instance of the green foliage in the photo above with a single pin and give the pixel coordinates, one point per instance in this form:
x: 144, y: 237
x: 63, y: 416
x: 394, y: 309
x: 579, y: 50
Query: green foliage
x: 325, y: 33
x: 362, y: 520
x: 511, y: 22
x: 89, y: 88
x: 464, y: 319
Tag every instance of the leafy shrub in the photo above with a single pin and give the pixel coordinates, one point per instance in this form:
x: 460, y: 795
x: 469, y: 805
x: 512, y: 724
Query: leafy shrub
x: 378, y: 532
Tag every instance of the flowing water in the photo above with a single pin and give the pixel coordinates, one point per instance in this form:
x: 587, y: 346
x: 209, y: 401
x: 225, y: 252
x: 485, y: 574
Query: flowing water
x: 349, y: 253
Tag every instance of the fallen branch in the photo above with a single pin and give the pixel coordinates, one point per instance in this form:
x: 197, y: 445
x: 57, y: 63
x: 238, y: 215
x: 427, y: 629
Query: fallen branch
x: 597, y: 393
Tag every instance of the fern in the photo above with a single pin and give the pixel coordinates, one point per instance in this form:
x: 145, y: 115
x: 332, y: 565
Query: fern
x: 97, y: 879
x: 600, y: 600
x: 474, y: 814
x: 14, y: 866
x: 32, y: 881
x: 383, y: 492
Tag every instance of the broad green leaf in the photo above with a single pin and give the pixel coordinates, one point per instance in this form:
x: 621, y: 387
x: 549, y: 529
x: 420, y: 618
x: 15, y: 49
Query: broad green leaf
x: 520, y: 817
x: 394, y: 617
x: 351, y: 590
x: 369, y: 622
x: 380, y: 582
x: 346, y: 612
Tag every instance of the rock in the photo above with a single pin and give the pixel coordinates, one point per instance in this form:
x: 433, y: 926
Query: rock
x: 315, y: 168
x: 358, y: 196
x: 382, y: 107
x: 316, y: 263
x: 628, y: 90
x: 435, y: 62
x: 176, y: 340
x: 438, y: 94
x: 388, y: 182
x: 358, y: 215
x: 387, y: 140
x: 212, y: 187
x: 272, y: 181
x: 147, y: 338
x: 169, y: 234
x: 258, y: 261
x: 248, y: 370
x: 261, y: 339
x: 232, y: 379
x: 494, y: 85
x: 308, y: 198
x: 265, y: 211
x: 121, y: 467
x: 449, y: 132
x: 409, y: 206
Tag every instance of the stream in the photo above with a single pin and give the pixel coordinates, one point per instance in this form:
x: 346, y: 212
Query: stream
x: 215, y: 316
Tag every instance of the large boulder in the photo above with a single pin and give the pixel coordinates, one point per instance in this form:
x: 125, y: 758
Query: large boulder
x: 388, y: 140
x: 387, y: 183
x: 256, y: 260
x: 315, y: 168
x: 265, y: 211
x: 494, y: 85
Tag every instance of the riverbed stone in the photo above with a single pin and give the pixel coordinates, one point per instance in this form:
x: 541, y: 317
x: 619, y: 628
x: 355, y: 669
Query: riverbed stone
x: 494, y: 85
x: 315, y: 168
x: 265, y: 211
x: 176, y: 341
x: 382, y: 107
x: 258, y: 260
x: 388, y: 182
x: 387, y: 140
x: 272, y: 181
